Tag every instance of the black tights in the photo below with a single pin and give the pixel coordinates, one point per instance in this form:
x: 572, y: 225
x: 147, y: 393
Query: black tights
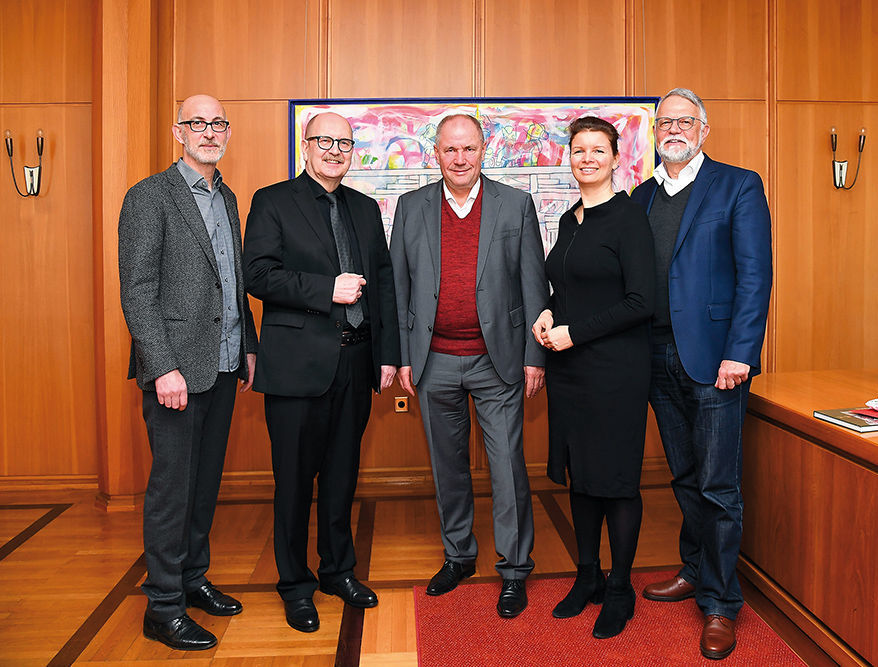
x: 623, y: 526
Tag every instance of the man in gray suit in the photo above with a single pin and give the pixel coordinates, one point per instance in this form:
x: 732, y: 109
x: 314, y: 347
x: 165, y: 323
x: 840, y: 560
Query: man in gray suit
x: 468, y: 267
x: 192, y: 338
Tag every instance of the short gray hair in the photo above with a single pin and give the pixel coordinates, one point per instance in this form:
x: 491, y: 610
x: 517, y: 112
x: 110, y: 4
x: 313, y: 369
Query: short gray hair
x: 687, y: 94
x: 454, y: 116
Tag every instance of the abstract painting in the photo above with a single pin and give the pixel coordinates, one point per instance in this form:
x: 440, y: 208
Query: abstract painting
x: 526, y: 145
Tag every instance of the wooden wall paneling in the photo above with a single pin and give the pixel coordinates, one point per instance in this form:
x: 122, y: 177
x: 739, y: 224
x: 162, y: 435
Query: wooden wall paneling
x: 804, y: 500
x: 536, y: 429
x: 249, y: 51
x: 739, y: 135
x: 395, y: 439
x: 826, y: 241
x: 46, y: 354
x: 256, y: 157
x: 398, y: 48
x: 45, y: 51
x: 554, y: 47
x: 827, y: 50
x: 258, y: 150
x: 718, y: 49
x: 125, y: 64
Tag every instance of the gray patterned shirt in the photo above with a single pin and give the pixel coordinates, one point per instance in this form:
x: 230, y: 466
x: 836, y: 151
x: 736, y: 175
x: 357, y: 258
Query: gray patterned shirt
x: 216, y: 221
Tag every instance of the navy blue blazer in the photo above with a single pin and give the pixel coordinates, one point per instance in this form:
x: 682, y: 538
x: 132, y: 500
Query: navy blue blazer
x: 719, y: 280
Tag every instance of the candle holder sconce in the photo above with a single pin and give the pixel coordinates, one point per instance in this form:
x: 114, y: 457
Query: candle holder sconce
x: 32, y: 175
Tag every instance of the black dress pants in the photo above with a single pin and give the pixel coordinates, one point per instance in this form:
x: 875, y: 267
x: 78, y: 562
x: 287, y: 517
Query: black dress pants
x: 318, y: 437
x: 188, y: 452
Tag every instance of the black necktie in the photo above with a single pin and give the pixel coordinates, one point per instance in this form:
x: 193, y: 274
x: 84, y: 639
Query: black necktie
x: 354, y: 311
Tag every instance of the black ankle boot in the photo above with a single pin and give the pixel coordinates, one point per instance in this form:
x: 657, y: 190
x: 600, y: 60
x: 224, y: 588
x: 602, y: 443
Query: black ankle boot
x: 618, y: 608
x: 588, y: 587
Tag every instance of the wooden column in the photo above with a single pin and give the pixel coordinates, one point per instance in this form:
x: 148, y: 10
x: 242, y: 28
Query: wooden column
x: 126, y: 77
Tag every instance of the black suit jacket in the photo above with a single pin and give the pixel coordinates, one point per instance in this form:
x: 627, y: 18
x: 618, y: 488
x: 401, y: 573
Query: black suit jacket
x: 290, y: 263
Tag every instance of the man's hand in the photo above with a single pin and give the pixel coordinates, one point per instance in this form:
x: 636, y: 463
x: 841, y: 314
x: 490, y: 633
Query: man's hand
x: 542, y: 326
x: 405, y: 379
x: 557, y: 338
x: 170, y: 389
x: 731, y: 374
x: 251, y: 371
x: 534, y: 380
x: 387, y: 375
x: 348, y: 288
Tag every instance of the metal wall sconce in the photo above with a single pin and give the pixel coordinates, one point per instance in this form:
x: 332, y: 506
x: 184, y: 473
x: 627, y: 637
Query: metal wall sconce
x: 840, y: 167
x: 31, y: 174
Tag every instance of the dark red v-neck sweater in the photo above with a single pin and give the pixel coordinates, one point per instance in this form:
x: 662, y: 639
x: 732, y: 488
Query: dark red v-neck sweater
x: 456, y: 329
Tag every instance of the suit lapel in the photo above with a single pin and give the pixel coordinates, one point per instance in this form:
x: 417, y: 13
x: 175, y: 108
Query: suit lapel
x: 304, y: 199
x: 189, y: 211
x: 490, y: 214
x: 432, y: 213
x: 362, y: 232
x: 700, y: 188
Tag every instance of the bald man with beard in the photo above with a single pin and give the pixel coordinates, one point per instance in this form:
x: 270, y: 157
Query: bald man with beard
x: 193, y: 338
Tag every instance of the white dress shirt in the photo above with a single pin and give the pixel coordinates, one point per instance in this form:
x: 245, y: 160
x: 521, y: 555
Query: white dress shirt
x: 462, y: 211
x: 685, y: 177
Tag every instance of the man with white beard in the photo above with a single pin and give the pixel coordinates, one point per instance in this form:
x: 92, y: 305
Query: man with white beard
x: 712, y: 233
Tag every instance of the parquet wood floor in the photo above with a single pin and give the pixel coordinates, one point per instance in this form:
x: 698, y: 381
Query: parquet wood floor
x: 70, y: 575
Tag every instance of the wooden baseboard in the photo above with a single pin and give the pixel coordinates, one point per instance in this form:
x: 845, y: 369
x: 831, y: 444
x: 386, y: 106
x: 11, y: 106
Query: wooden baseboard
x: 808, y: 623
x: 127, y: 502
x: 259, y: 484
x: 381, y: 482
x: 47, y: 482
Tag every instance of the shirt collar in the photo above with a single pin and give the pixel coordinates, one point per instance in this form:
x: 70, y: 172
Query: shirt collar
x: 317, y: 189
x: 687, y: 174
x: 473, y: 193
x: 195, y: 180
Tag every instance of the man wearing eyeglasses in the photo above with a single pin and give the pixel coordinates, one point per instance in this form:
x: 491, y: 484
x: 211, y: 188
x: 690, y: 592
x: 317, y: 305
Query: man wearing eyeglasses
x: 712, y: 233
x: 192, y: 337
x: 316, y: 255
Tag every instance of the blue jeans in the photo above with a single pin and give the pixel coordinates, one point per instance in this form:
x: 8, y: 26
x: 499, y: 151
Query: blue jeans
x: 701, y: 427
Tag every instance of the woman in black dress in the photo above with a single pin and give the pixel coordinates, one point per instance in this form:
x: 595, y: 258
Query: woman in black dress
x: 596, y: 328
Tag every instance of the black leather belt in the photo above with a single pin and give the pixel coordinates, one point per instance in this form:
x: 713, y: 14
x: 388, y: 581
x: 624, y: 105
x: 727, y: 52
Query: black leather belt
x: 355, y: 336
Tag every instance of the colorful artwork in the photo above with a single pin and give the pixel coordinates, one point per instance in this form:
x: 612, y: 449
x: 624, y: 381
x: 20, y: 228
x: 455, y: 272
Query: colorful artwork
x: 526, y: 145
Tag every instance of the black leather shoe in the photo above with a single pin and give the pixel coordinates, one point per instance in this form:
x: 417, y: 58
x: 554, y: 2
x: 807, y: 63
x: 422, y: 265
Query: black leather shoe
x: 352, y: 592
x: 211, y: 600
x: 181, y: 633
x: 302, y: 615
x: 513, y: 598
x: 448, y: 576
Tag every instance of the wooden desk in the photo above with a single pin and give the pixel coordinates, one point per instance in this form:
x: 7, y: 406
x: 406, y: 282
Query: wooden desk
x: 811, y: 508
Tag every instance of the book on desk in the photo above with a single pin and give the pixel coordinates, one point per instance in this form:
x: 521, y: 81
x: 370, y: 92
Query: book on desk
x: 861, y: 420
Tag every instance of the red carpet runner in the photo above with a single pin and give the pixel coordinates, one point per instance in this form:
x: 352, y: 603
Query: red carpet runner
x: 462, y: 629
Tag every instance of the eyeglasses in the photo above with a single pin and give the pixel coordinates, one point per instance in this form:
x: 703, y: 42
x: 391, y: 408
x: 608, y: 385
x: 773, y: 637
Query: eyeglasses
x: 325, y: 143
x: 201, y: 125
x: 683, y: 122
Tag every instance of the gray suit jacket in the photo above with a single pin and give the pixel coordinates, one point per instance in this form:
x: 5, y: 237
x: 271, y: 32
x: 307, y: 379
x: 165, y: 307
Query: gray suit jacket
x: 171, y: 295
x: 511, y: 287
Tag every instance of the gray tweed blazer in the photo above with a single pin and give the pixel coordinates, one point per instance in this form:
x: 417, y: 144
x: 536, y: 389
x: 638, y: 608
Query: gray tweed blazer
x: 171, y: 294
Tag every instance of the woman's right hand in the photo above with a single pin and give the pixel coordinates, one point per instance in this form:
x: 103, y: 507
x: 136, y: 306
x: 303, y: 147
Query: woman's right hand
x: 542, y: 326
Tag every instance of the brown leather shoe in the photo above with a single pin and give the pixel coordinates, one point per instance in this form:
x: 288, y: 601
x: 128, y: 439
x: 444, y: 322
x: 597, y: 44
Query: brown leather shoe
x: 718, y: 637
x: 671, y: 590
